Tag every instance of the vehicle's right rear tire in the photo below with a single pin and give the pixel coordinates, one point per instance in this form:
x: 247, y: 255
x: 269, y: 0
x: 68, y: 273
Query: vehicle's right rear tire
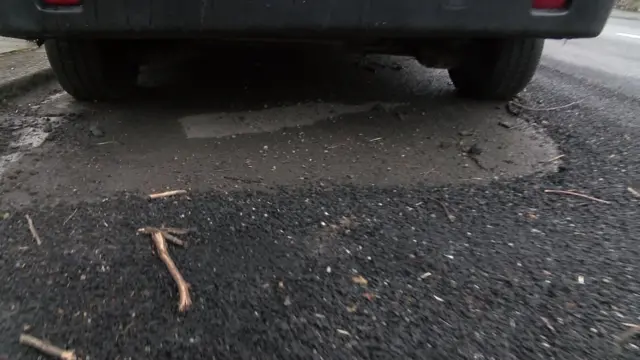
x: 497, y: 69
x: 92, y: 69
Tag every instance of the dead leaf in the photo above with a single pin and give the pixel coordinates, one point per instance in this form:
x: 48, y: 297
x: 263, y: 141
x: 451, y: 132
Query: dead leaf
x: 360, y: 280
x: 369, y: 296
x: 352, y: 308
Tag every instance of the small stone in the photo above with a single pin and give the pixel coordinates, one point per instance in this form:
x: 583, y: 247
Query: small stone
x: 381, y: 107
x: 96, y: 131
x: 287, y: 301
x: 505, y: 124
x: 446, y: 144
x: 465, y: 133
x: 47, y: 128
x: 475, y: 149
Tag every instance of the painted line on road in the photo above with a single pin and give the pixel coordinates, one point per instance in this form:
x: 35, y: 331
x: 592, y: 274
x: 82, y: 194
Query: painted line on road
x: 218, y: 125
x: 629, y: 35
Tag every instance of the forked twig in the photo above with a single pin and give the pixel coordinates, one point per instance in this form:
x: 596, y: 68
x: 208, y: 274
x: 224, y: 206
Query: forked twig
x: 33, y: 230
x: 158, y: 237
x: 47, y: 348
x: 573, y: 193
x: 167, y: 194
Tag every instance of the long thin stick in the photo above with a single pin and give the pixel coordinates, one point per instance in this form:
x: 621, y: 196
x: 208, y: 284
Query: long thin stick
x: 167, y: 194
x: 576, y: 194
x: 47, y: 348
x: 547, y: 109
x: 183, y: 287
x: 33, y: 230
x: 70, y: 216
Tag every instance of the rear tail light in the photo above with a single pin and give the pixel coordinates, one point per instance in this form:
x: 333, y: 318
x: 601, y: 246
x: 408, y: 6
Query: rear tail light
x: 62, y: 2
x: 549, y: 4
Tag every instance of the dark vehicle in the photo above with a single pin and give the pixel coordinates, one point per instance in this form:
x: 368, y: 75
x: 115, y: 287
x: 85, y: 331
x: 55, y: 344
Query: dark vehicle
x: 491, y: 48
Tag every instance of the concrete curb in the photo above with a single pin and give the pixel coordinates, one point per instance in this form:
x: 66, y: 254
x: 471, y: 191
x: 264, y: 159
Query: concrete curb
x: 25, y: 83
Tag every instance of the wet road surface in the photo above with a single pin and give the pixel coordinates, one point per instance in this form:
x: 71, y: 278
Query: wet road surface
x: 306, y: 176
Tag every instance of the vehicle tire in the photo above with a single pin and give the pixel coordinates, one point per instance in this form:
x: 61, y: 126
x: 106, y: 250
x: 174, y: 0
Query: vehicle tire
x: 92, y: 70
x: 497, y: 69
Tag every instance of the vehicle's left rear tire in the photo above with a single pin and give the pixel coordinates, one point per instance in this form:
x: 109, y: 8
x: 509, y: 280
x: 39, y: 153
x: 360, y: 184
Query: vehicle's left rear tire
x: 93, y: 69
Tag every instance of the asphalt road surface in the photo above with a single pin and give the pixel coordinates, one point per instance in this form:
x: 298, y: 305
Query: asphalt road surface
x: 342, y: 208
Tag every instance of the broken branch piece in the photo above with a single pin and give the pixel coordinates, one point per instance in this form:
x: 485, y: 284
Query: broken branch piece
x: 33, y: 230
x: 158, y: 236
x: 168, y: 234
x: 47, y: 348
x: 167, y: 194
x: 627, y: 335
x: 183, y: 287
x: 577, y: 194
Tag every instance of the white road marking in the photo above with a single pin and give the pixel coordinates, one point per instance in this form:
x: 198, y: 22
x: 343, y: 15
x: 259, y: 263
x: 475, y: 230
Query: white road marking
x: 217, y: 125
x: 629, y: 35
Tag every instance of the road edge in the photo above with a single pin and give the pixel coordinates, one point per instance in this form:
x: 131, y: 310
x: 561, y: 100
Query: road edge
x: 623, y: 14
x: 23, y: 84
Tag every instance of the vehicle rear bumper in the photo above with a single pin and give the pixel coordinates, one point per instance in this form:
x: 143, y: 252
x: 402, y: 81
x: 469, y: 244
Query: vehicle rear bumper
x: 299, y: 18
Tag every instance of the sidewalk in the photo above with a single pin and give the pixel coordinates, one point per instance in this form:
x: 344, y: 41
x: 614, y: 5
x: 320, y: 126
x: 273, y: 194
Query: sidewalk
x: 629, y: 15
x: 22, y: 66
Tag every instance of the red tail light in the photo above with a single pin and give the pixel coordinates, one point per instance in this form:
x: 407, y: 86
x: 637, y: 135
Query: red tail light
x: 62, y: 2
x: 549, y: 4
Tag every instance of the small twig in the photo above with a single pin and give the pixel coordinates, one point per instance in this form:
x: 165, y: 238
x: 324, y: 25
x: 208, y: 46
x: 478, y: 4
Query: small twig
x: 175, y: 231
x: 335, y: 146
x: 627, y: 335
x: 167, y: 233
x: 376, y: 139
x: 167, y: 194
x: 173, y: 239
x: 47, y: 348
x: 106, y: 143
x: 546, y: 109
x: 634, y: 192
x: 563, y: 192
x: 556, y: 158
x: 69, y: 218
x: 246, y: 181
x: 477, y: 162
x: 446, y: 210
x: 33, y: 230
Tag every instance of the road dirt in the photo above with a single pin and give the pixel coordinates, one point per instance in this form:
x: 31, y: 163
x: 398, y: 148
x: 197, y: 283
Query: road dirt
x: 357, y: 121
x: 452, y: 260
